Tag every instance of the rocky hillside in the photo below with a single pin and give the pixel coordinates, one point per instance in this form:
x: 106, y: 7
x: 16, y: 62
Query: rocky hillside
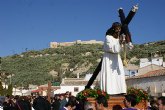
x: 37, y: 67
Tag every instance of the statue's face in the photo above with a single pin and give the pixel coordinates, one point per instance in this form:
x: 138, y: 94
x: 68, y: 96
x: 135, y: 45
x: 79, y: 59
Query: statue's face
x: 117, y: 29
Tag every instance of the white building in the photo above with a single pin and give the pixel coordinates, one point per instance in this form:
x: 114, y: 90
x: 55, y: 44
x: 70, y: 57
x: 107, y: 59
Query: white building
x: 146, y: 65
x: 73, y: 85
x: 131, y: 70
x: 148, y: 61
x: 149, y: 68
x: 153, y: 82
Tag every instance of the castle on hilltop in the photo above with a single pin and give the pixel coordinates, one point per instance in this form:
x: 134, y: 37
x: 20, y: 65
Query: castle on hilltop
x: 56, y: 44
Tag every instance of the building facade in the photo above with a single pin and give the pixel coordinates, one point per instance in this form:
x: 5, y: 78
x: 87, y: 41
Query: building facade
x: 73, y: 85
x: 153, y: 82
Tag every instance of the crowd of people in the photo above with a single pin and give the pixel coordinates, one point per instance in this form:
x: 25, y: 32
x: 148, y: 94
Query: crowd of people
x: 68, y: 102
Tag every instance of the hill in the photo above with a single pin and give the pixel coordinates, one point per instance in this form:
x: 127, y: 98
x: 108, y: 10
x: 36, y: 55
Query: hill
x: 37, y: 67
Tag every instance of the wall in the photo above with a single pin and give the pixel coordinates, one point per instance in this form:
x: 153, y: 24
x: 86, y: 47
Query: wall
x: 70, y: 89
x: 56, y: 44
x: 148, y: 61
x: 148, y: 69
x: 154, y: 85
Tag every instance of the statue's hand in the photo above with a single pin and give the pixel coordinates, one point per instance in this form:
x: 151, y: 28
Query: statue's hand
x: 130, y: 45
x: 125, y: 62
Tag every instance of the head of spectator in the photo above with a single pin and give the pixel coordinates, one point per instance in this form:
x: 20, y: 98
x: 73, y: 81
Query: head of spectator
x: 161, y: 103
x: 89, y: 106
x: 130, y: 100
x: 71, y: 104
x: 153, y: 104
x: 101, y: 103
x: 56, y: 97
x: 67, y: 95
x: 80, y: 104
x: 62, y: 97
x: 116, y: 107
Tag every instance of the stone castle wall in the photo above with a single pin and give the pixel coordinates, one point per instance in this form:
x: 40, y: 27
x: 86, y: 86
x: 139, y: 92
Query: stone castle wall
x: 56, y: 44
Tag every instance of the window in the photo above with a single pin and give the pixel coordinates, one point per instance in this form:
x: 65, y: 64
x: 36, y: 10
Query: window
x: 133, y: 73
x: 76, y: 89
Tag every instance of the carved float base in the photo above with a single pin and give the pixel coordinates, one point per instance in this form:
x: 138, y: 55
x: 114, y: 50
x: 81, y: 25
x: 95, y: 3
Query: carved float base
x: 118, y: 101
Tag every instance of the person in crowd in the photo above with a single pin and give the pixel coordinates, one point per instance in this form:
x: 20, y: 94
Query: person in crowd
x: 40, y: 103
x: 80, y: 104
x: 89, y: 106
x: 67, y: 95
x: 26, y: 105
x: 71, y: 104
x: 130, y: 102
x: 101, y: 103
x: 63, y: 101
x: 153, y: 105
x: 8, y: 104
x: 161, y: 103
x: 19, y: 104
x: 48, y: 105
x: 56, y: 102
x: 116, y: 107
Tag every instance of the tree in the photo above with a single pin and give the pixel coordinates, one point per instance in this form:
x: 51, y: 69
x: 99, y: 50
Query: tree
x: 1, y: 89
x: 10, y: 89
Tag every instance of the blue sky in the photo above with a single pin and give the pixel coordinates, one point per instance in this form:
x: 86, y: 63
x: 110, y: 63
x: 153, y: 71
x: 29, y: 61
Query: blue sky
x: 33, y: 24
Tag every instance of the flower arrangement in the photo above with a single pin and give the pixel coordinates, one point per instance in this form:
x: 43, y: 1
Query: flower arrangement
x: 91, y: 93
x: 140, y: 94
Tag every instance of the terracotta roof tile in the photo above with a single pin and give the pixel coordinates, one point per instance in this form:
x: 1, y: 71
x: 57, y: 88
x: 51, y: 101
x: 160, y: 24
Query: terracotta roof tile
x: 160, y: 72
